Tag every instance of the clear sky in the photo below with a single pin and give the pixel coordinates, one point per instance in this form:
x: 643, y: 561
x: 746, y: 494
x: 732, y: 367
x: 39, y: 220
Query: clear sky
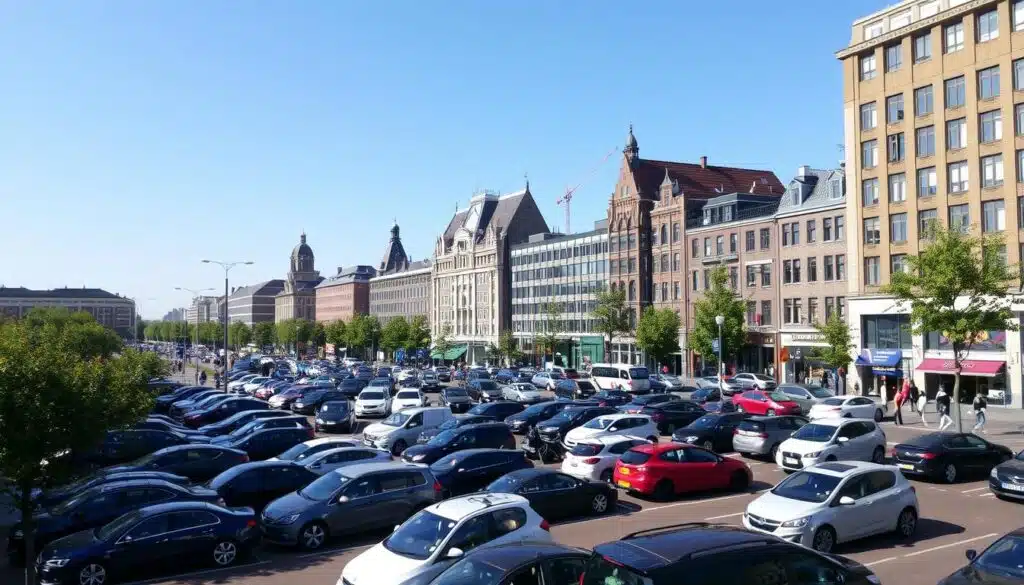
x: 138, y: 137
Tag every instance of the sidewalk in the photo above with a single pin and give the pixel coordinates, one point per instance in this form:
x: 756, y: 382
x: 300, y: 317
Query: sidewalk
x: 999, y: 420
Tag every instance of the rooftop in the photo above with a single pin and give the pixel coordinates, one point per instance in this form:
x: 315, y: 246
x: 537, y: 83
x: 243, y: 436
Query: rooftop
x: 57, y: 293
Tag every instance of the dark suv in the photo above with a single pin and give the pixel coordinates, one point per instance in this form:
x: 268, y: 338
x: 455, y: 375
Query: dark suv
x: 484, y: 435
x: 351, y: 387
x: 498, y: 411
x: 483, y: 390
x: 709, y: 554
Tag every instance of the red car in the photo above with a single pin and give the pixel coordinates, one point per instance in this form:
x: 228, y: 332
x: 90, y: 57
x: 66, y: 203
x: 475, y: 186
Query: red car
x: 766, y: 403
x: 663, y: 470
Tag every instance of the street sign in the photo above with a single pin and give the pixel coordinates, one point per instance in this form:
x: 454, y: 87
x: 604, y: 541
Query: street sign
x: 715, y: 346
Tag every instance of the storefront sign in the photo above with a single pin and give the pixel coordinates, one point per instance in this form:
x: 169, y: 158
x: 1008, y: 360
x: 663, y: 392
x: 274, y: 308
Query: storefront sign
x: 798, y: 338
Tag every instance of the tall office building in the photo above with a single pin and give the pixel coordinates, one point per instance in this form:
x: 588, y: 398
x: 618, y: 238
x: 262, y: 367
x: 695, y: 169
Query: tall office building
x: 928, y: 85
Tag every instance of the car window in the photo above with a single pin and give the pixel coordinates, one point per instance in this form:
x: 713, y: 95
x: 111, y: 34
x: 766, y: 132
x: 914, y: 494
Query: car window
x: 957, y: 442
x: 390, y: 482
x: 185, y: 520
x: 699, y: 456
x: 565, y: 571
x: 670, y: 456
x: 855, y: 487
x: 526, y: 576
x: 361, y: 488
x: 508, y: 520
x: 150, y: 527
x: 974, y: 442
x: 880, y: 481
x: 859, y: 401
x: 472, y: 533
x: 533, y: 486
x: 849, y: 430
x: 806, y: 567
x: 558, y: 481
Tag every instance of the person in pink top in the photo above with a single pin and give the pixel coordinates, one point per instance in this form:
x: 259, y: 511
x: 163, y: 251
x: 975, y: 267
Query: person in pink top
x: 901, y: 398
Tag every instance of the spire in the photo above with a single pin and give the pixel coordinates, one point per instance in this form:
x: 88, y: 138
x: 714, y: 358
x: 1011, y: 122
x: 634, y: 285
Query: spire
x: 632, y: 150
x: 302, y: 238
x: 394, y: 230
x: 526, y: 177
x: 667, y: 180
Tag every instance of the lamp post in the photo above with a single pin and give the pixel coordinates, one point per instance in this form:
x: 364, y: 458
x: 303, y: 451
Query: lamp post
x: 227, y: 266
x: 719, y: 320
x: 196, y: 293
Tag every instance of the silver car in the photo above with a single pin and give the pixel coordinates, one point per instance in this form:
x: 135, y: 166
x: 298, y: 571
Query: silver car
x: 762, y: 435
x: 331, y: 459
x: 805, y: 395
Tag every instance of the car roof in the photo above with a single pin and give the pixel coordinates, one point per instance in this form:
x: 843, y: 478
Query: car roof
x: 655, y: 548
x: 174, y: 506
x: 844, y: 468
x: 484, y: 425
x: 325, y: 452
x: 655, y: 448
x: 611, y: 439
x: 461, y: 507
x: 838, y: 422
x: 130, y: 483
x: 360, y: 469
x: 419, y: 409
x: 929, y: 439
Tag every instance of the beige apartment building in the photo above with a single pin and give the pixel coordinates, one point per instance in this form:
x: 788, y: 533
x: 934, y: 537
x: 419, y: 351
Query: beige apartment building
x: 934, y: 129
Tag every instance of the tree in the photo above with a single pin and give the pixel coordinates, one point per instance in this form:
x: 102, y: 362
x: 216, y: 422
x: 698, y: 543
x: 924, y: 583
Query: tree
x: 335, y: 334
x: 508, y: 346
x: 657, y: 333
x: 611, y: 316
x: 356, y: 334
x: 394, y: 334
x: 263, y: 334
x: 64, y: 381
x: 286, y: 333
x: 319, y: 336
x: 958, y: 285
x: 419, y: 334
x: 553, y: 327
x: 303, y: 333
x: 722, y: 300
x: 443, y: 342
x: 839, y: 346
x: 140, y: 328
x: 371, y: 325
x: 239, y: 334
x: 210, y: 332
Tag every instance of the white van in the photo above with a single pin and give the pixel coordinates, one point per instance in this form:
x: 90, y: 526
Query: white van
x: 621, y: 377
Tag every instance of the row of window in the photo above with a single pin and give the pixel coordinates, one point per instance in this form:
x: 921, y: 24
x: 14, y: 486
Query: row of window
x: 832, y: 230
x: 560, y: 253
x: 793, y: 310
x: 990, y: 130
x: 765, y: 269
x: 993, y: 175
x: 596, y: 267
x: 898, y: 263
x: 993, y: 220
x: 585, y: 287
x: 833, y: 269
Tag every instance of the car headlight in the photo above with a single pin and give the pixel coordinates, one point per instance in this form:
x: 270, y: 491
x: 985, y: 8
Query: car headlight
x: 419, y: 457
x: 56, y: 563
x: 288, y: 519
x: 797, y: 523
x: 994, y: 474
x: 18, y: 534
x: 813, y: 455
x: 690, y: 439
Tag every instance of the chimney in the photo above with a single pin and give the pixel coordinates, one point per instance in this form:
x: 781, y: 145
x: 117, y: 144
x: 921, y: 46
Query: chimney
x: 703, y: 162
x: 803, y: 171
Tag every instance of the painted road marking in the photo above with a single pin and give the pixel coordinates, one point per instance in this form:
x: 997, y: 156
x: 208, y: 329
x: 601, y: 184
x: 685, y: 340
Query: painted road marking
x: 986, y: 495
x: 694, y: 502
x: 950, y: 545
x: 723, y: 516
x: 974, y: 490
x: 197, y: 573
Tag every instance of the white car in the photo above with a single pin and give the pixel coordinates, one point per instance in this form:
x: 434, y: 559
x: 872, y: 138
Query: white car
x: 236, y: 386
x: 408, y: 399
x: 373, y: 401
x: 447, y: 530
x: 755, y: 381
x: 595, y: 459
x: 848, y: 407
x: 522, y: 392
x: 836, y: 502
x: 251, y: 386
x: 331, y: 459
x: 406, y: 374
x: 832, y: 439
x: 635, y: 425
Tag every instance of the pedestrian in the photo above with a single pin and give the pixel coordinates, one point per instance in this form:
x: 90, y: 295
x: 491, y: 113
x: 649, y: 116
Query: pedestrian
x: 914, y: 396
x: 202, y: 378
x: 980, y: 405
x: 899, y: 399
x: 856, y: 388
x: 884, y: 392
x: 942, y: 405
x: 922, y: 401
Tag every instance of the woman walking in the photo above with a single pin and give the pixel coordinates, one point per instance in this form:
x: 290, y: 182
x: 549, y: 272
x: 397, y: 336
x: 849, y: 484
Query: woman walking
x: 942, y: 404
x: 899, y: 399
x: 921, y: 398
x: 980, y: 404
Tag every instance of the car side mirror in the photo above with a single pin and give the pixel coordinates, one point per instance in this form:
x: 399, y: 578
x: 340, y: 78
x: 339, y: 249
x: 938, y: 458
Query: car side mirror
x: 126, y: 539
x: 971, y: 554
x: 847, y: 501
x: 842, y: 440
x: 454, y: 553
x: 343, y: 499
x: 395, y: 529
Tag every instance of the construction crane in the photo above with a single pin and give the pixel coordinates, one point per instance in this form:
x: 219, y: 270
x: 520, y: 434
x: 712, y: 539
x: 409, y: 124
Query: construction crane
x: 566, y: 199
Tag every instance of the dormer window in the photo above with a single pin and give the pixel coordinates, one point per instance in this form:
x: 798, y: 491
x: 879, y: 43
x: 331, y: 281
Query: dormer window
x: 835, y: 189
x: 794, y: 193
x: 727, y: 212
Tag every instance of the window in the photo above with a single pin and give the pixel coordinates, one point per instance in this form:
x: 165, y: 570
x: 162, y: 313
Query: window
x: 664, y: 234
x: 897, y: 148
x: 812, y: 310
x: 867, y: 67
x: 993, y: 216
x: 766, y: 312
x: 898, y: 263
x: 694, y: 248
x: 1020, y: 168
x: 1017, y: 15
x: 766, y: 275
x: 956, y: 134
x: 957, y: 173
x: 840, y: 222
x: 787, y: 271
x: 794, y: 233
x: 991, y: 126
x: 734, y: 278
x: 812, y: 269
x: 787, y: 311
x: 925, y: 219
x: 988, y: 26
x: 991, y: 171
x: 796, y: 270
x: 766, y: 238
x: 872, y: 231
x: 720, y: 245
x: 707, y: 247
x: 925, y: 142
x: 923, y: 101
x: 829, y: 308
x: 829, y: 273
x: 811, y: 228
x: 898, y: 227
x: 956, y: 92
x: 751, y: 276
x: 749, y: 241
x: 1000, y: 254
x: 1018, y: 119
x: 707, y: 279
x: 897, y: 188
x: 664, y: 262
x: 675, y: 290
x: 959, y: 217
x: 869, y: 154
x: 923, y: 47
x: 751, y: 312
x: 840, y: 266
x: 894, y: 109
x: 868, y: 116
x: 954, y: 37
x: 927, y: 182
x: 841, y: 306
x: 988, y: 83
x: 870, y: 191
x: 675, y: 262
x: 893, y: 57
x: 675, y: 233
x: 872, y: 274
x: 1018, y: 75
x: 694, y: 278
x: 826, y: 229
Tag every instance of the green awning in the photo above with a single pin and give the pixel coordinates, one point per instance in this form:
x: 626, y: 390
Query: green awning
x: 452, y: 354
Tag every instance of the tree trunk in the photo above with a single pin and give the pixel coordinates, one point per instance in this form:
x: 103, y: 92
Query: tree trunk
x: 28, y: 531
x: 956, y: 398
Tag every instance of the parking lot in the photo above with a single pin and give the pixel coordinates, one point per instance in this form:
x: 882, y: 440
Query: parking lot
x: 953, y: 519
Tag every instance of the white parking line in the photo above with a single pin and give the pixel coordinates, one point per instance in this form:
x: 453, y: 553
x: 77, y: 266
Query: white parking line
x: 332, y: 551
x: 880, y: 561
x: 694, y: 502
x: 950, y: 545
x: 974, y: 490
x: 180, y: 576
x: 986, y: 495
x: 708, y: 519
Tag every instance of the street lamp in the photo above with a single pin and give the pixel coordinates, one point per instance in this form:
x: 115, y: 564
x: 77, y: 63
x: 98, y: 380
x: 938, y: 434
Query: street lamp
x: 719, y: 320
x: 196, y: 293
x: 227, y: 266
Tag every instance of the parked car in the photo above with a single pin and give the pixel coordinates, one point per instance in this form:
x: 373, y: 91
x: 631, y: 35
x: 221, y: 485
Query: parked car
x: 612, y: 397
x: 196, y: 462
x: 706, y: 394
x: 765, y: 403
x: 237, y: 384
x: 163, y: 403
x: 672, y: 414
x: 595, y: 459
x: 504, y: 376
x: 638, y: 403
x: 1006, y: 480
x: 402, y: 429
x: 373, y: 401
x: 179, y: 410
x: 291, y: 422
x: 483, y: 435
x: 456, y: 399
x: 636, y: 425
x: 557, y: 496
x: 268, y: 391
x: 806, y: 395
x: 307, y: 449
x: 751, y: 381
x: 839, y: 439
x: 222, y: 410
x: 406, y: 398
x: 353, y: 499
x: 444, y: 531
x: 351, y: 387
x: 497, y: 411
x: 335, y: 416
x: 127, y: 445
x: 284, y: 400
x: 185, y: 531
x: 311, y: 401
x: 522, y: 422
x: 848, y: 407
x: 267, y: 443
x: 837, y: 502
x: 458, y: 420
x: 253, y: 383
x: 44, y: 499
x: 239, y: 420
x: 258, y: 483
x: 555, y: 428
x: 155, y: 422
x: 443, y: 374
x: 523, y: 393
x: 663, y: 470
x: 998, y: 564
x: 508, y: 562
x: 483, y: 390
x: 331, y: 459
x: 470, y: 470
x: 672, y: 383
x: 948, y: 457
x: 713, y: 431
x: 762, y: 435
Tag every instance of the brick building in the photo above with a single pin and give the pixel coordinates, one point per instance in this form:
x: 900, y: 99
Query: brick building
x: 344, y: 295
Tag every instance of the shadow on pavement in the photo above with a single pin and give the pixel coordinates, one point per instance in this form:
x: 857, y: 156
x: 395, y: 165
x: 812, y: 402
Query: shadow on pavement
x: 755, y: 487
x: 927, y: 529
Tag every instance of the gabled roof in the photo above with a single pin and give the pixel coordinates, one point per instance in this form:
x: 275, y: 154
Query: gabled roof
x: 57, y: 293
x: 703, y: 181
x: 266, y: 288
x: 821, y: 182
x: 496, y: 210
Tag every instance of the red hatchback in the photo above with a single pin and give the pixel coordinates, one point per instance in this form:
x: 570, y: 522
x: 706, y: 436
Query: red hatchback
x: 766, y: 403
x: 663, y: 470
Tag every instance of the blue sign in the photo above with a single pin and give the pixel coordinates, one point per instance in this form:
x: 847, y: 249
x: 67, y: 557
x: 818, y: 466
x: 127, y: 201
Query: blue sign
x: 400, y: 355
x: 715, y: 346
x: 422, y: 354
x: 880, y: 357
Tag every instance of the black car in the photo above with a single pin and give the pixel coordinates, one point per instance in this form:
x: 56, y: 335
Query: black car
x: 128, y: 445
x: 1007, y: 479
x: 163, y: 386
x: 507, y: 563
x: 498, y: 411
x: 411, y: 382
x: 291, y: 421
x: 268, y: 443
x: 258, y: 483
x: 574, y: 389
x: 947, y: 456
x: 309, y: 448
x: 713, y: 431
x: 505, y: 376
x: 311, y: 401
x: 159, y: 424
x: 222, y: 410
x: 176, y: 409
x: 182, y: 409
x: 459, y: 420
x: 554, y: 429
x: 639, y: 402
x: 456, y: 399
x: 673, y: 414
x: 196, y: 462
x: 161, y: 535
x: 524, y: 377
x: 443, y: 375
x: 555, y: 495
x: 706, y: 394
x: 483, y: 435
x: 470, y: 470
x: 52, y: 497
x: 708, y: 554
x: 524, y: 421
x: 483, y: 390
x: 98, y: 505
x: 335, y: 416
x: 612, y: 397
x: 1001, y: 563
x: 163, y: 403
x: 351, y: 387
x: 239, y: 420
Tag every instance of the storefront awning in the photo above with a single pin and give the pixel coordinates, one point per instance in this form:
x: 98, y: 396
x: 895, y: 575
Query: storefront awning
x: 452, y: 354
x: 987, y: 368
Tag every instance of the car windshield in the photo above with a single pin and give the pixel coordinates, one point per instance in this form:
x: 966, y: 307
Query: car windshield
x: 371, y: 396
x: 1020, y: 456
x: 779, y: 396
x: 478, y: 409
x: 602, y: 571
x: 807, y: 486
x: 599, y: 423
x: 408, y: 395
x: 632, y: 457
x: 396, y: 419
x: 117, y: 525
x: 834, y: 401
x: 704, y: 422
x: 471, y: 572
x: 535, y: 409
x: 487, y: 385
x: 585, y: 450
x: 455, y: 392
x: 816, y: 433
x: 72, y: 503
x: 323, y: 488
x: 820, y: 392
x: 448, y: 424
x: 420, y: 536
x: 246, y: 428
x: 295, y: 453
x: 443, y: 437
x: 1006, y: 556
x: 639, y: 373
x: 506, y: 484
x: 567, y: 414
x: 334, y: 406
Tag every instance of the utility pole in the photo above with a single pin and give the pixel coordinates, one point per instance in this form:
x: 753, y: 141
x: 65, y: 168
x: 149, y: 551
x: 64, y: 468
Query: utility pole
x: 227, y: 266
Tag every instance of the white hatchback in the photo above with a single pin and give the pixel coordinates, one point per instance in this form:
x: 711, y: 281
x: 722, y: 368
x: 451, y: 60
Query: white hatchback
x: 447, y: 530
x: 836, y: 502
x: 595, y: 459
x: 407, y: 399
x: 832, y: 439
x: 373, y: 401
x: 848, y: 407
x: 634, y: 425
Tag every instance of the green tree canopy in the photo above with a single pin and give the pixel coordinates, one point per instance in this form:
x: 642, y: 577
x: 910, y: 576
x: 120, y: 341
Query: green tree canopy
x: 336, y: 334
x: 612, y: 316
x: 263, y: 334
x: 657, y: 333
x: 443, y: 342
x: 286, y: 333
x: 839, y: 349
x: 958, y: 285
x: 508, y: 347
x: 419, y: 334
x: 319, y: 335
x: 303, y: 331
x: 722, y: 300
x: 394, y: 334
x: 553, y: 326
x: 239, y: 334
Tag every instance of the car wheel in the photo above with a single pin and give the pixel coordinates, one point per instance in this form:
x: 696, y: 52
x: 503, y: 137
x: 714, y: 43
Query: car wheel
x: 670, y: 430
x: 398, y: 447
x: 773, y: 451
x: 607, y: 476
x: 878, y: 415
x: 739, y: 481
x: 824, y: 539
x: 225, y: 553
x: 878, y: 455
x: 709, y: 445
x: 664, y: 490
x: 906, y: 523
x: 771, y: 412
x: 599, y: 505
x: 312, y: 536
x: 92, y: 573
x: 949, y: 473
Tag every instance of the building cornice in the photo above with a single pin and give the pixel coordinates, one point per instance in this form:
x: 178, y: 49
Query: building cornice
x: 403, y: 274
x: 811, y: 211
x: 909, y: 29
x: 728, y: 225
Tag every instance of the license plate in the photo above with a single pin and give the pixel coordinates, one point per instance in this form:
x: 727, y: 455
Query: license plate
x: 624, y: 484
x: 790, y: 461
x: 623, y: 471
x: 1013, y: 487
x: 907, y: 466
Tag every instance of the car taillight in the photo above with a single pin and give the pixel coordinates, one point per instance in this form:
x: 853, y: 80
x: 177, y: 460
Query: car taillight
x: 735, y: 431
x: 438, y: 488
x: 545, y: 526
x: 592, y: 460
x: 245, y: 458
x: 928, y: 456
x: 250, y: 524
x: 657, y: 417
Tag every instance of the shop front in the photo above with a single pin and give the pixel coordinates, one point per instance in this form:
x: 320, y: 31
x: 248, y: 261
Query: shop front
x: 878, y: 368
x: 985, y: 376
x: 800, y: 364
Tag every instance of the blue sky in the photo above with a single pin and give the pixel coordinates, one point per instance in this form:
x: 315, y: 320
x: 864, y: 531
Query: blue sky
x: 137, y: 138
